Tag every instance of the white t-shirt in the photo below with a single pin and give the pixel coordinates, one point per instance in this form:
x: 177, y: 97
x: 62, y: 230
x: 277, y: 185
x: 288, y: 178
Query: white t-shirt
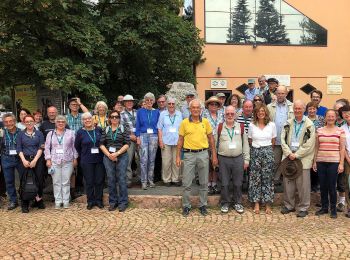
x: 262, y: 137
x: 346, y: 128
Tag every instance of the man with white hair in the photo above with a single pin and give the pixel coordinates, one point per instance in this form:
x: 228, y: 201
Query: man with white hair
x: 298, y: 143
x: 195, y: 136
x: 9, y: 158
x: 280, y: 111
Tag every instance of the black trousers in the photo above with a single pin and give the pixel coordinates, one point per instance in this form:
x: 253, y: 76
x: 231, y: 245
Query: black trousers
x: 94, y: 175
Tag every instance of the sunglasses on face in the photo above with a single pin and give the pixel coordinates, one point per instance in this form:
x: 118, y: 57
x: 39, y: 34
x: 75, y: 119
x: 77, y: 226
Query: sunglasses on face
x: 114, y: 117
x: 258, y: 99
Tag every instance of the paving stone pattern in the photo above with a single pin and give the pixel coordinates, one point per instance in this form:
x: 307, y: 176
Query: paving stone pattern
x: 77, y: 233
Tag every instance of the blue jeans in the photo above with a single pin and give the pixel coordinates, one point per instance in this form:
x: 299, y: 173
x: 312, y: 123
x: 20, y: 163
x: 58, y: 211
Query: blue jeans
x: 94, y: 175
x: 327, y: 175
x: 9, y: 164
x: 116, y: 173
x: 148, y: 151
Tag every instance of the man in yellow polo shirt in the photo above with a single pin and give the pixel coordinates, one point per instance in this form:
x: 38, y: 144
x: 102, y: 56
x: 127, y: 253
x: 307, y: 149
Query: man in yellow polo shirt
x: 195, y: 137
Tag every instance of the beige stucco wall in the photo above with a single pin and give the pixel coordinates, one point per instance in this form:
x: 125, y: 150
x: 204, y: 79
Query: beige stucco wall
x: 303, y: 64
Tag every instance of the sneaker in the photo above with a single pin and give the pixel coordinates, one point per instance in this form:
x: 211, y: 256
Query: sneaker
x: 340, y: 207
x: 57, y: 205
x: 12, y: 205
x: 285, y: 210
x: 224, y: 209
x: 203, y: 210
x: 66, y: 205
x: 302, y: 214
x: 151, y: 184
x: 239, y: 208
x: 186, y: 211
x: 321, y: 212
x: 144, y: 186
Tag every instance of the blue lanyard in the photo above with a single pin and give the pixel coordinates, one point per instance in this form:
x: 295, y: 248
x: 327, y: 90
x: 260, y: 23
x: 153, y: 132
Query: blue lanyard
x: 13, y: 137
x: 232, y: 134
x: 215, y: 122
x: 60, y: 140
x: 114, y: 136
x: 297, y: 130
x: 92, y: 139
x: 149, y: 118
x: 172, y: 121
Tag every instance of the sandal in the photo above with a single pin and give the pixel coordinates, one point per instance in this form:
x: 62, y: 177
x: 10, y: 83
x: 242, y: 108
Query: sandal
x: 256, y: 209
x: 268, y: 211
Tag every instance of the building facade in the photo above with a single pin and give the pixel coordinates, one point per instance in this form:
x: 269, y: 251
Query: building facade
x: 306, y: 44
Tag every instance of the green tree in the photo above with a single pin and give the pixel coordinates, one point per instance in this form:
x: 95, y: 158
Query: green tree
x: 269, y: 24
x: 240, y: 18
x: 109, y: 48
x: 154, y: 46
x: 313, y: 33
x: 55, y: 44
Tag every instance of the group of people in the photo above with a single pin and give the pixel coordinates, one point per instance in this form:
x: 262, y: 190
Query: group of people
x: 266, y: 136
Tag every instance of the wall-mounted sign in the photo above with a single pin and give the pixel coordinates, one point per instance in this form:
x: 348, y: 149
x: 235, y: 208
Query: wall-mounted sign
x: 334, y: 84
x: 218, y: 83
x: 25, y: 96
x: 283, y: 79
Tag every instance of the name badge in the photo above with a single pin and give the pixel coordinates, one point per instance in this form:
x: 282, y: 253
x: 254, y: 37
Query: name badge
x: 112, y: 149
x: 94, y: 150
x: 59, y: 151
x: 236, y: 132
x: 232, y: 146
x: 172, y: 130
x: 13, y: 152
x: 134, y: 130
x: 295, y: 144
x: 149, y: 131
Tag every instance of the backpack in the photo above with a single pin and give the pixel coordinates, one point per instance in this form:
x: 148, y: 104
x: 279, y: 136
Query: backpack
x: 28, y: 188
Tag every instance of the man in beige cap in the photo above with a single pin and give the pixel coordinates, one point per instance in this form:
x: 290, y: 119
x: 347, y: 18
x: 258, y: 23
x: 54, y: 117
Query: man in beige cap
x: 128, y: 117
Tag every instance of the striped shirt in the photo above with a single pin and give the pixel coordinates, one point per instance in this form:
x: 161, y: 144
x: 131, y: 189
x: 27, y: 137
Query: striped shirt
x: 244, y: 120
x: 74, y: 122
x: 329, y: 145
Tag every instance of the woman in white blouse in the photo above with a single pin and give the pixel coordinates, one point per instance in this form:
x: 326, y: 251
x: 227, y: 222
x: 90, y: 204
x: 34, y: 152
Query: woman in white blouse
x: 262, y: 135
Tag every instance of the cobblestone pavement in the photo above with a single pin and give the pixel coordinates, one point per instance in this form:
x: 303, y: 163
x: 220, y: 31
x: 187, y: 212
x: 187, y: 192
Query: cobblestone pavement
x: 77, y: 233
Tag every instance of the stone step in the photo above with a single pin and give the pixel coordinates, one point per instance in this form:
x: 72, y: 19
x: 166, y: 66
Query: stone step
x: 174, y: 201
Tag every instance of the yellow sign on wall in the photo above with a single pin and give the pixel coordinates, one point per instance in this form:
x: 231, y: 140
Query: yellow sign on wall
x: 25, y: 96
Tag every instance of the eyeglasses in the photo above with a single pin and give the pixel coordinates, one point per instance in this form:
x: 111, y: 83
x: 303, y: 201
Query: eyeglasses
x: 74, y: 104
x: 213, y: 104
x: 171, y: 104
x: 29, y: 122
x: 230, y: 114
x: 115, y: 117
x: 61, y: 122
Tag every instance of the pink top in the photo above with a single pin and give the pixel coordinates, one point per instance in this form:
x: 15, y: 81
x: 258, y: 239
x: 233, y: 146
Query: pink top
x: 329, y: 145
